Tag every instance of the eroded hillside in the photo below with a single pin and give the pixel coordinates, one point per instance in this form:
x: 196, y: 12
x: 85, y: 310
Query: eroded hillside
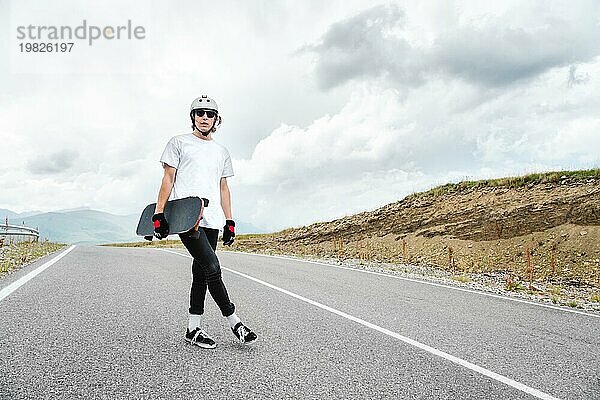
x: 543, y: 227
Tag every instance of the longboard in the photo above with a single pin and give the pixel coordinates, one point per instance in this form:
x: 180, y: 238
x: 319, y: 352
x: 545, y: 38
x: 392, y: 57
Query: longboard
x: 181, y: 214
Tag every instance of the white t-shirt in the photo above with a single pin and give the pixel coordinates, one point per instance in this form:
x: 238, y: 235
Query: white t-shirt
x: 200, y: 166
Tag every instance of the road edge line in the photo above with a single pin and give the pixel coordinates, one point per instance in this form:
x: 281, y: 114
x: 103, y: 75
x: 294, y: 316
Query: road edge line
x: 425, y: 282
x: 449, y: 357
x: 5, y: 292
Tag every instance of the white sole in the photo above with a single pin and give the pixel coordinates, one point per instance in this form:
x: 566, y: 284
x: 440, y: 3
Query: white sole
x: 203, y: 346
x: 248, y: 343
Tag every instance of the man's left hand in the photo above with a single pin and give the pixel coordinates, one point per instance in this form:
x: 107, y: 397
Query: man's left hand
x: 228, y: 232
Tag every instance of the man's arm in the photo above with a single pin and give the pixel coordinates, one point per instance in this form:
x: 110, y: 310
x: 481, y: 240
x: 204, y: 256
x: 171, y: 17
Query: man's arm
x: 225, y: 199
x: 165, y: 188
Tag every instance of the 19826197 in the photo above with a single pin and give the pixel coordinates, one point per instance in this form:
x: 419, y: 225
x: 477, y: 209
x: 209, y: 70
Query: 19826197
x: 28, y: 47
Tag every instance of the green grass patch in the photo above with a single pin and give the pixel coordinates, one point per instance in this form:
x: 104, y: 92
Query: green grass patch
x: 462, y: 278
x: 512, y: 286
x: 177, y: 242
x: 554, y: 290
x: 512, y: 182
x: 248, y: 236
x: 147, y: 243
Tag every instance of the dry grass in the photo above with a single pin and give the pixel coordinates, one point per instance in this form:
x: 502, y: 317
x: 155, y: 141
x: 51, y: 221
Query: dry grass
x: 16, y: 255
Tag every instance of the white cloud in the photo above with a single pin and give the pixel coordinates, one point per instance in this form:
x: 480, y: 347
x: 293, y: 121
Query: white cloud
x: 407, y: 108
x: 492, y: 49
x: 577, y: 141
x: 383, y: 145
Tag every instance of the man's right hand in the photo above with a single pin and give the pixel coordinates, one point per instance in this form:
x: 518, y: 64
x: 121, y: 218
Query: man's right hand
x: 161, y: 226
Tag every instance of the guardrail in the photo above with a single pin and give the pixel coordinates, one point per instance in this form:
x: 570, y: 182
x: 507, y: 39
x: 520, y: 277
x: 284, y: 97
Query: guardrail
x: 17, y: 233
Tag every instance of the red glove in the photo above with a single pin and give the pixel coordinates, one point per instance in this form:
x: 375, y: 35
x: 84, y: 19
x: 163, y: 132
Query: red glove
x: 228, y: 232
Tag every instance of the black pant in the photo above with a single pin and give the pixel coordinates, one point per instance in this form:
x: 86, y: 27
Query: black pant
x: 206, y: 271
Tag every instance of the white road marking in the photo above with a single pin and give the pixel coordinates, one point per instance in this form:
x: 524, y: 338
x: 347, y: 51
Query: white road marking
x: 425, y: 283
x: 24, y: 279
x: 473, y: 367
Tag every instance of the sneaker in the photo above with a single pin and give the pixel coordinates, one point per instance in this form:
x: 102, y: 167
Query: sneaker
x: 243, y: 333
x: 200, y: 338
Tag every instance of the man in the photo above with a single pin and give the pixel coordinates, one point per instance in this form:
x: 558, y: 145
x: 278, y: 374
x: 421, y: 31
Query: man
x: 195, y: 165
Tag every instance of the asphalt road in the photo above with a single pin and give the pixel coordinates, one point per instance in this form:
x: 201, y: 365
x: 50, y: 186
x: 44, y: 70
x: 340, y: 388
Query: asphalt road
x: 108, y: 323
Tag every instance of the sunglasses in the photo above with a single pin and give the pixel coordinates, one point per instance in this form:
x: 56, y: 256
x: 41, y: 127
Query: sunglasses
x: 201, y: 112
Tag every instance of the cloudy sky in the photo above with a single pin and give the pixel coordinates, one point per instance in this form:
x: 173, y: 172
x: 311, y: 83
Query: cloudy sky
x: 329, y: 107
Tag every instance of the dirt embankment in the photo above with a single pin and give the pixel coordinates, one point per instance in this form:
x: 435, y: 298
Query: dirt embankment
x: 547, y: 230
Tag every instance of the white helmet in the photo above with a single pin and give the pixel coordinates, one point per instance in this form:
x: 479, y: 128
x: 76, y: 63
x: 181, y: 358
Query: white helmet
x: 204, y: 102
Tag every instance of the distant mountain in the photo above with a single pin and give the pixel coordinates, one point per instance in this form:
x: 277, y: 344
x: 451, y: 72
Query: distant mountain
x: 242, y: 227
x: 15, y: 216
x: 30, y: 213
x: 85, y: 226
x: 7, y: 213
x: 74, y: 209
